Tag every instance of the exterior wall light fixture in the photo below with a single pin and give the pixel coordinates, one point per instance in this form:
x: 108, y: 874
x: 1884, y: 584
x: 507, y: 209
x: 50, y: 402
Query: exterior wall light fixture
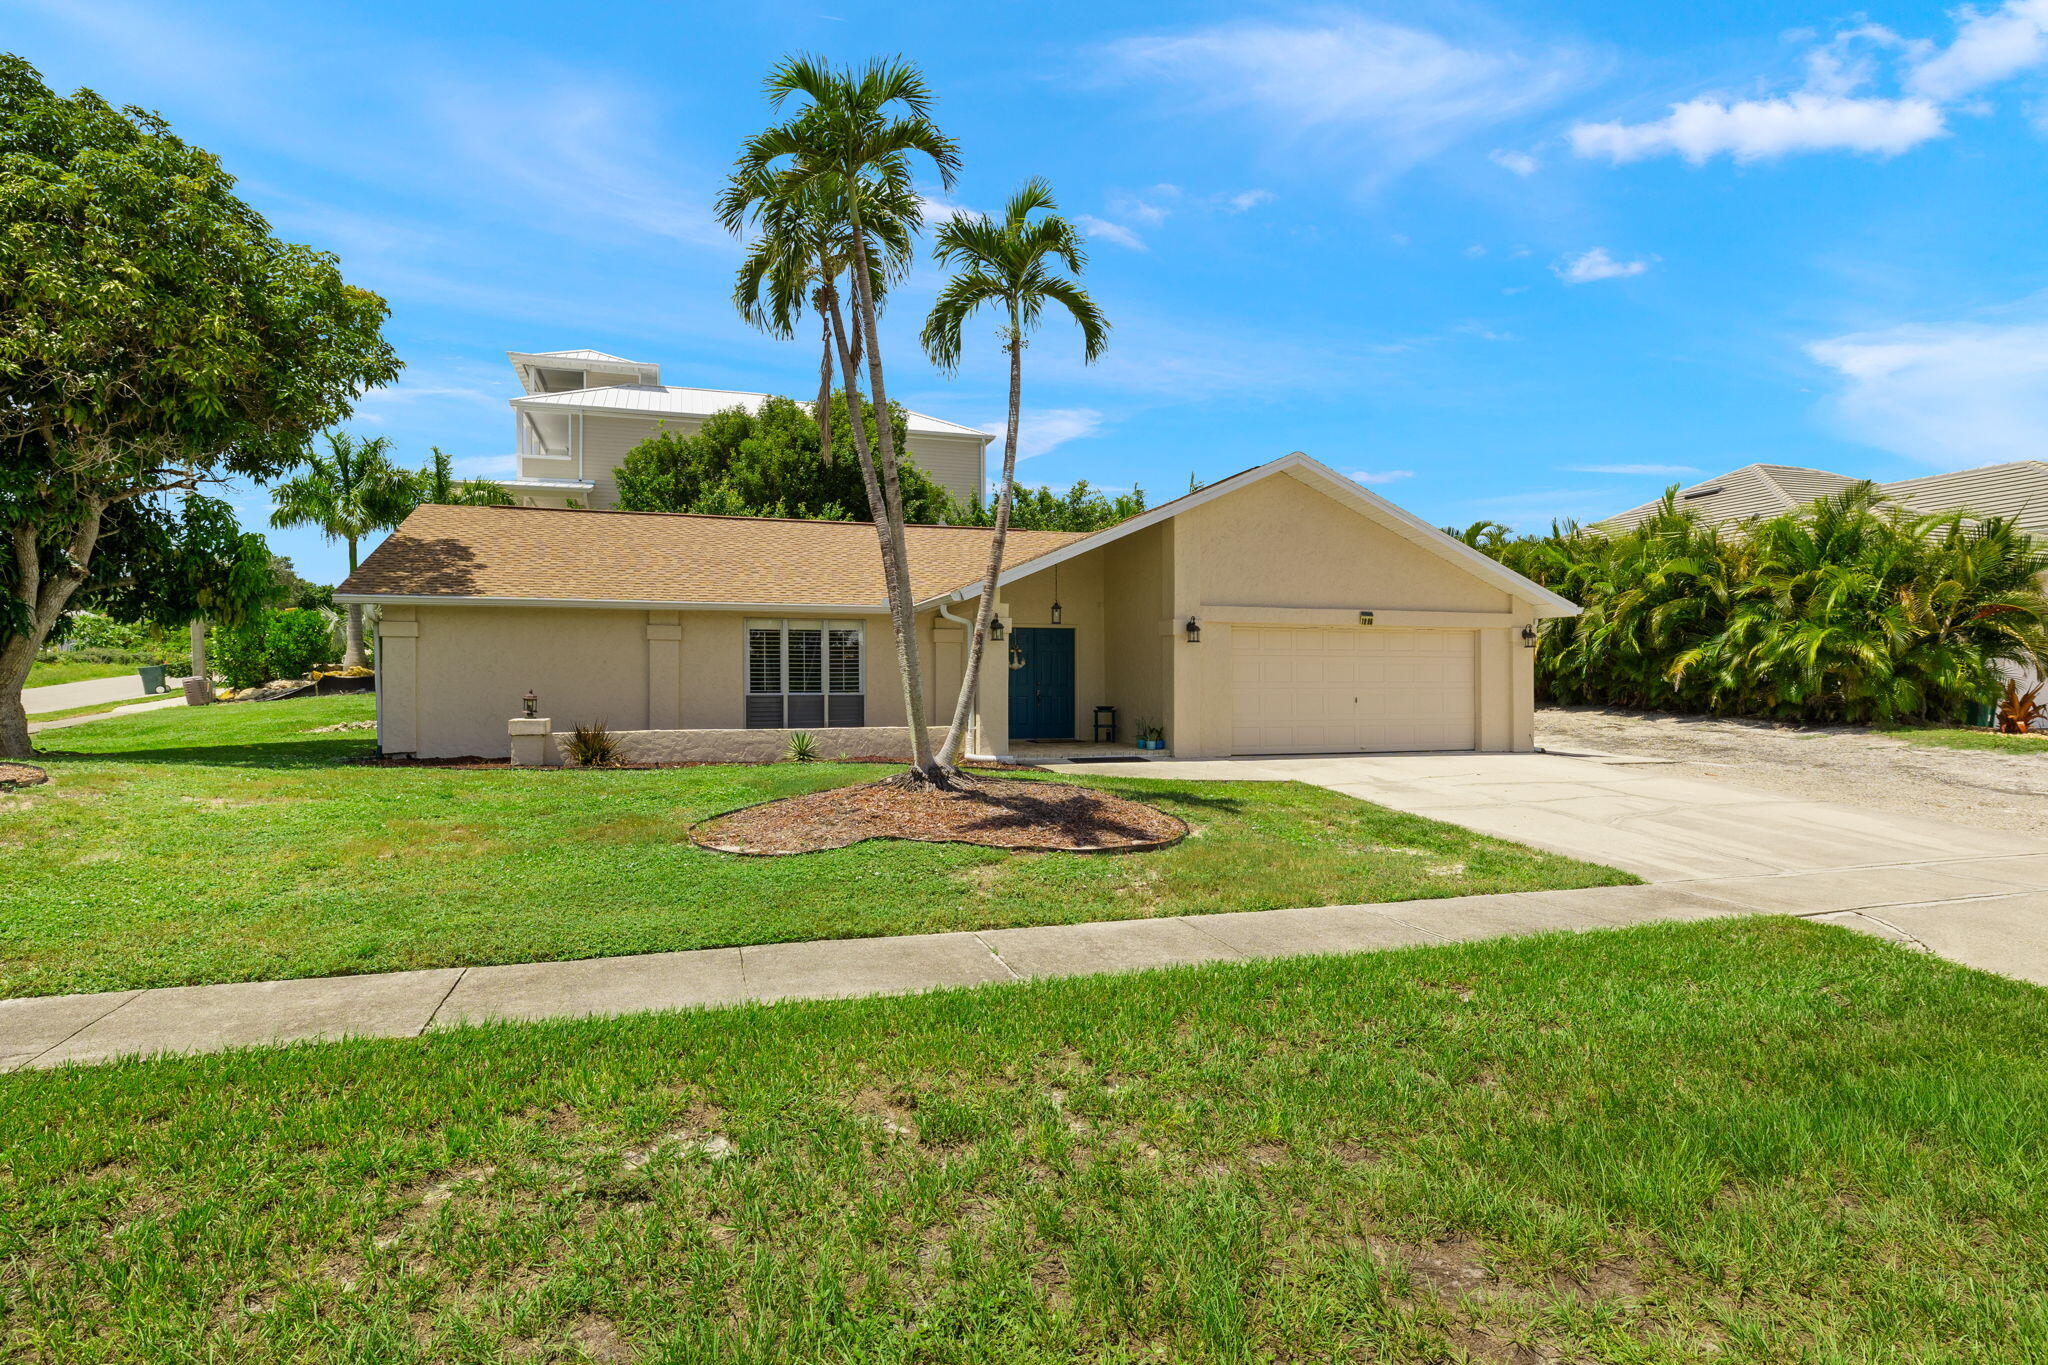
x: 1528, y: 637
x: 1194, y: 630
x: 531, y: 702
x: 995, y: 627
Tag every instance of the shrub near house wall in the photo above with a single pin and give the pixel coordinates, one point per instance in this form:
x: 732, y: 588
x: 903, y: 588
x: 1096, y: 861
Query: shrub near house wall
x: 1846, y: 610
x: 274, y: 644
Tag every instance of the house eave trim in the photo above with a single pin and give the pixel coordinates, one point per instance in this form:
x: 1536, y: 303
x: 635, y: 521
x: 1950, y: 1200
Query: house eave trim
x: 1368, y: 503
x: 370, y: 599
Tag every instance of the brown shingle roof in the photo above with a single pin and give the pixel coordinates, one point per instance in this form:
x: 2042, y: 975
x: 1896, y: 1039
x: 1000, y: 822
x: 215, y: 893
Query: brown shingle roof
x: 547, y: 554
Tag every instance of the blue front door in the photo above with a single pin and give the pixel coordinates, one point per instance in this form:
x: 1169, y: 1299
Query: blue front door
x: 1042, y: 690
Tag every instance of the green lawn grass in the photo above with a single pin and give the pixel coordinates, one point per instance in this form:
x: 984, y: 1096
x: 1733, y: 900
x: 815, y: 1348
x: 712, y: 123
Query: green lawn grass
x: 1988, y: 740
x: 50, y: 675
x: 228, y: 843
x: 1746, y: 1141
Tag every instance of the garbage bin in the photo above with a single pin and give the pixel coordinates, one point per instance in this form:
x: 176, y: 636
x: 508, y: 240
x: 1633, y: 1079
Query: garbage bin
x: 1979, y: 715
x: 198, y: 691
x: 152, y: 678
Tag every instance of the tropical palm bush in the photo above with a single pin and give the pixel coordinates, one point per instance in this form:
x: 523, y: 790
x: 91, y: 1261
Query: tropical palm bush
x: 1849, y: 609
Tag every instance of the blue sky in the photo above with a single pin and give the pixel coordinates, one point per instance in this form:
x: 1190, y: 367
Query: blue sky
x: 1510, y: 261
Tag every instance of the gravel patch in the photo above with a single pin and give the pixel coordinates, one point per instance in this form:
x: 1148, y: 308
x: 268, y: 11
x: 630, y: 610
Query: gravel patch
x: 1842, y: 763
x: 999, y: 812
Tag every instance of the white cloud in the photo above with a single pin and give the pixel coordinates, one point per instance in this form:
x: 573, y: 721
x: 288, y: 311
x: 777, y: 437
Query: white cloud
x: 1385, y: 476
x: 1110, y: 232
x: 1475, y: 251
x: 1151, y: 208
x: 1659, y: 470
x: 1042, y: 430
x: 1990, y: 46
x: 1386, y: 94
x: 934, y: 209
x: 1952, y: 394
x: 1596, y: 264
x: 1752, y: 130
x: 1521, y: 163
x: 1247, y: 199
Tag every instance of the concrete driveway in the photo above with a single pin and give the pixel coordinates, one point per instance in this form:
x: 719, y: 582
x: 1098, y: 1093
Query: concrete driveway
x: 1978, y: 896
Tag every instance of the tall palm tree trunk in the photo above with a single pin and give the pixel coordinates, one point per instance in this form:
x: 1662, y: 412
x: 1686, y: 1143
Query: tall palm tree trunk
x: 352, y: 652
x: 977, y: 640
x: 895, y: 571
x: 889, y: 522
x: 823, y: 411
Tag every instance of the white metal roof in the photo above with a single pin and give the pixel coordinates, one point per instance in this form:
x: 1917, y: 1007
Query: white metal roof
x: 528, y: 364
x: 674, y: 401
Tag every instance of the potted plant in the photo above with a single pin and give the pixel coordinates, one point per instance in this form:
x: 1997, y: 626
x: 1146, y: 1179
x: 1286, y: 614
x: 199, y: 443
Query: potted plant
x: 1151, y: 735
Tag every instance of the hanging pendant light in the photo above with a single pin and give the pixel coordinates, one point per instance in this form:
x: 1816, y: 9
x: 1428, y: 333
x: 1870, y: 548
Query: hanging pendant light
x: 1055, y: 594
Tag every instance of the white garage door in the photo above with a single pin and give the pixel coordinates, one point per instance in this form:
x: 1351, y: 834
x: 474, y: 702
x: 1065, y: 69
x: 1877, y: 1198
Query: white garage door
x: 1358, y: 690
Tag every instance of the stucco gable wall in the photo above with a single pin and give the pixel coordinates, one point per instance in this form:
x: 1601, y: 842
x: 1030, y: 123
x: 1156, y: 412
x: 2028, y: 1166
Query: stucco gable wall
x: 1279, y: 542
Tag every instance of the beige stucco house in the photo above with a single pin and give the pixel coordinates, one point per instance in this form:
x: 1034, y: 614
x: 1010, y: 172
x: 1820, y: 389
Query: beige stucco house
x: 579, y: 412
x: 1283, y: 610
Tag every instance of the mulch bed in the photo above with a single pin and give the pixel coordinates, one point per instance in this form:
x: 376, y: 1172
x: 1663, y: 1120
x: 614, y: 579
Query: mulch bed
x: 14, y: 775
x: 998, y: 812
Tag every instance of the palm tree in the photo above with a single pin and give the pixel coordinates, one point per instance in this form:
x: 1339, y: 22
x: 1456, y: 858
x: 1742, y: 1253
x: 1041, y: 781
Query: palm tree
x: 1011, y: 266
x: 437, y: 484
x: 801, y: 248
x: 352, y: 491
x: 849, y: 147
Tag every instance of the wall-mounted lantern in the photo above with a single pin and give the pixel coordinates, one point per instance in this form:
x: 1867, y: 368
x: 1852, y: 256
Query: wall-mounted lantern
x: 995, y: 627
x: 1528, y: 637
x: 531, y: 702
x: 1194, y: 630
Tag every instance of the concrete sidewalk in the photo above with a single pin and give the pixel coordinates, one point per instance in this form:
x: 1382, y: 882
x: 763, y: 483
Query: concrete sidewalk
x: 36, y: 727
x: 1967, y: 908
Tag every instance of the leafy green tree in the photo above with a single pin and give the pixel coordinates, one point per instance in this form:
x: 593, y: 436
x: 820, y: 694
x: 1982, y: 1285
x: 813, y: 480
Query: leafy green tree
x: 765, y: 464
x: 154, y: 336
x: 1080, y: 507
x: 352, y: 491
x: 1012, y: 266
x: 296, y: 591
x: 802, y: 246
x: 848, y: 148
x: 437, y: 484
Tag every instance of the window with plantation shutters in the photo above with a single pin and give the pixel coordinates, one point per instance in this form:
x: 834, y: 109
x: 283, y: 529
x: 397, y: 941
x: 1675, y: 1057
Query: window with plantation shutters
x: 804, y: 674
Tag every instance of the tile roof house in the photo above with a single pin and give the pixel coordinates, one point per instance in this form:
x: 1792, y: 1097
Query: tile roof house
x: 581, y: 411
x: 2018, y: 489
x: 1285, y: 609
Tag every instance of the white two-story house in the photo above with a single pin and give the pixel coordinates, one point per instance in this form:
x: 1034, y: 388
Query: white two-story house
x: 581, y: 411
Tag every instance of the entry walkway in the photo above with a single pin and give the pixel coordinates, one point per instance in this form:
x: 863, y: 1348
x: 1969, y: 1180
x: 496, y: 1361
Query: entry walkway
x: 1973, y: 909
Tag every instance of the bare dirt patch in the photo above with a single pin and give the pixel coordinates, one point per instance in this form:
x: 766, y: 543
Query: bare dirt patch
x: 1839, y: 763
x: 14, y: 775
x: 998, y: 812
